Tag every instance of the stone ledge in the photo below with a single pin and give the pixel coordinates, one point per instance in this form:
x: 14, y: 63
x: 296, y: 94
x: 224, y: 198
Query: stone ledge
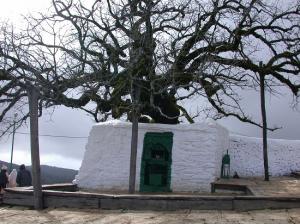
x: 24, y: 197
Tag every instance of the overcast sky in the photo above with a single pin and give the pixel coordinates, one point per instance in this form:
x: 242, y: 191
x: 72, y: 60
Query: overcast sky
x: 68, y: 152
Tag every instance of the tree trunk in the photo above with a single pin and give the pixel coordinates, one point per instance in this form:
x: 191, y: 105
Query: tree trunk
x: 264, y: 121
x: 134, y: 140
x: 135, y: 95
x: 35, y: 156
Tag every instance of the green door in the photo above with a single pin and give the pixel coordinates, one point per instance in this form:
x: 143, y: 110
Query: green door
x: 156, y: 162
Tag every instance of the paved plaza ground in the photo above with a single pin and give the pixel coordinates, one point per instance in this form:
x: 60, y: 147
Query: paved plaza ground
x: 12, y: 215
x: 284, y: 186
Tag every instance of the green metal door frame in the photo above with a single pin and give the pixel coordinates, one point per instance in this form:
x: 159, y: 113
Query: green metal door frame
x: 156, y: 162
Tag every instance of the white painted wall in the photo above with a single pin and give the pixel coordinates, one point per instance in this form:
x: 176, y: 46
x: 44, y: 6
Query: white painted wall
x: 196, y: 155
x: 246, y: 155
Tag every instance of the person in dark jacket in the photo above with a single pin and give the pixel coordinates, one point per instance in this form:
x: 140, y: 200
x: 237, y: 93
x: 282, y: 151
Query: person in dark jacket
x: 23, y: 177
x: 3, y: 178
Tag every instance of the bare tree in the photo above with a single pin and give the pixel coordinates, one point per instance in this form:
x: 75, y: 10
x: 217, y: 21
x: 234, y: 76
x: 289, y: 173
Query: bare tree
x: 268, y: 37
x: 130, y: 58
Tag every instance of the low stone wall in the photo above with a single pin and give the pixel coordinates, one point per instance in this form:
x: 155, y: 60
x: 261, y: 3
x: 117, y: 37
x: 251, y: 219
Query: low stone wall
x: 61, y: 187
x: 246, y: 155
x: 59, y: 199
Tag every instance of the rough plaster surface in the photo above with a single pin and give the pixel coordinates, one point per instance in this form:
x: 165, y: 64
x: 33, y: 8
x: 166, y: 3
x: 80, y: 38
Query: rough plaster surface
x: 246, y: 155
x: 196, y: 155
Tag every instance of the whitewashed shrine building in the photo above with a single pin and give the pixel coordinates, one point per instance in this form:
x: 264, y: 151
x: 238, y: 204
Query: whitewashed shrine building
x: 170, y: 158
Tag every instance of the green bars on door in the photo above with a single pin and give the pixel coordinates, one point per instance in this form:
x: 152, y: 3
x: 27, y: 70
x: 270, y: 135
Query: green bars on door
x: 156, y: 162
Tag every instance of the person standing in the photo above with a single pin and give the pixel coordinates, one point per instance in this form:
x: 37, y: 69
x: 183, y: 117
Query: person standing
x: 23, y: 177
x: 12, y: 178
x: 3, y: 178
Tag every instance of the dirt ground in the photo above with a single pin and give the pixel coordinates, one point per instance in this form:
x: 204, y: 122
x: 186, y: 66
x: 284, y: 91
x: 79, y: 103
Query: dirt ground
x: 11, y: 215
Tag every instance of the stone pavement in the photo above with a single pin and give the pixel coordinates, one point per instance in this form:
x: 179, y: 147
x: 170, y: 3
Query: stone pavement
x: 12, y: 215
x: 277, y: 186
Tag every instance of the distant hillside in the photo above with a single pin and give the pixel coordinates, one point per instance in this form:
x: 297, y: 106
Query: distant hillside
x: 50, y: 174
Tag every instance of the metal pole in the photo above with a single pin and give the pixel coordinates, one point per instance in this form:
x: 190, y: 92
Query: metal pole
x: 12, y: 144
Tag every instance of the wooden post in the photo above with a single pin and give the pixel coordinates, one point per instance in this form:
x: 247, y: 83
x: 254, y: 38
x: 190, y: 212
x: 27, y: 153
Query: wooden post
x: 264, y: 121
x: 35, y: 155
